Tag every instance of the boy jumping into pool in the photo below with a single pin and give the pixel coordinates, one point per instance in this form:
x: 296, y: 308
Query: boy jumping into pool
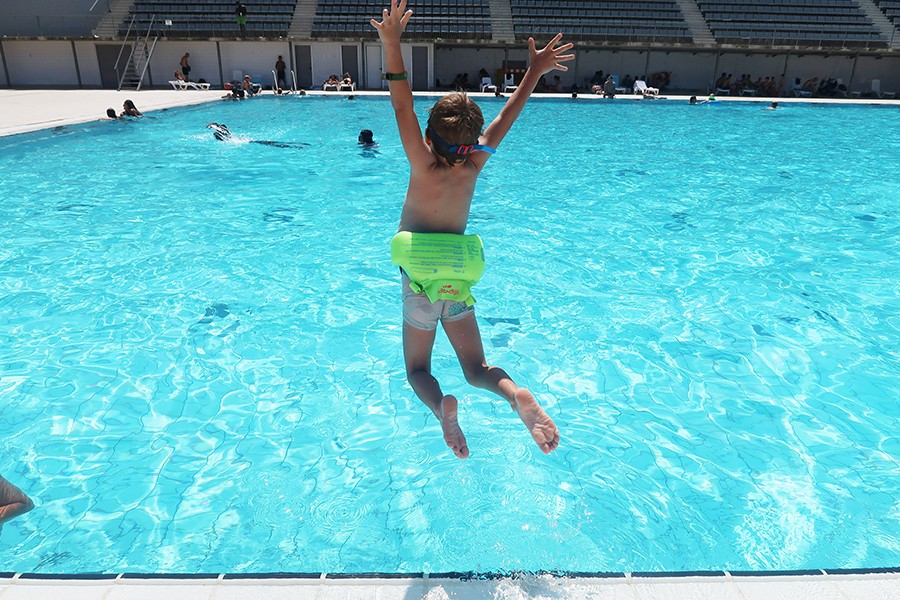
x: 443, y: 169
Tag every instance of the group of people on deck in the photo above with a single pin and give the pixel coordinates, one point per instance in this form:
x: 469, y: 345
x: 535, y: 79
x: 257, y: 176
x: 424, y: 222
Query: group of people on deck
x: 337, y: 83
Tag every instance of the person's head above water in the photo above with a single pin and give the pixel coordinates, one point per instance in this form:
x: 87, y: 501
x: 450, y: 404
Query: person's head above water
x: 111, y: 113
x: 220, y: 131
x: 128, y: 108
x: 454, y: 126
x: 366, y: 137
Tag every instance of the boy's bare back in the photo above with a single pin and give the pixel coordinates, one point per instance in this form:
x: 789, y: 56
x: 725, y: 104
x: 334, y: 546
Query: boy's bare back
x: 439, y: 198
x: 440, y: 192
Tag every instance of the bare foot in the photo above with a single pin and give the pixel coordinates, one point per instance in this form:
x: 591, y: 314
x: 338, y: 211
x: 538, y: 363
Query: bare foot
x: 453, y: 435
x: 539, y: 424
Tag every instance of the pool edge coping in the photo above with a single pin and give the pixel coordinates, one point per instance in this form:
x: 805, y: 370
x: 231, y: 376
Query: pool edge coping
x: 7, y: 576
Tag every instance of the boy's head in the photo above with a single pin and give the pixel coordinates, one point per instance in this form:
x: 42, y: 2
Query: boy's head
x: 366, y: 137
x: 457, y: 120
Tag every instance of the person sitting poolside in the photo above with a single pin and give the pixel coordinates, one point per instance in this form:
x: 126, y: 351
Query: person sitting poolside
x: 332, y: 83
x: 234, y: 91
x: 609, y: 87
x: 250, y: 88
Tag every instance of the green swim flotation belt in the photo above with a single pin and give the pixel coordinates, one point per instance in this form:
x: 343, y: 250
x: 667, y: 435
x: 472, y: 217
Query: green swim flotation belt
x: 443, y: 266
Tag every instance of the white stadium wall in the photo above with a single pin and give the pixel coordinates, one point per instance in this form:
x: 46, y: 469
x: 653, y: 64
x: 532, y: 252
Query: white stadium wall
x: 73, y: 64
x: 88, y: 69
x: 448, y: 62
x: 256, y: 60
x: 167, y: 59
x: 39, y: 63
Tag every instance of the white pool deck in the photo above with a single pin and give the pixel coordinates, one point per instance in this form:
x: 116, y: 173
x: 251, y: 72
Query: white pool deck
x: 23, y: 111
x: 880, y: 586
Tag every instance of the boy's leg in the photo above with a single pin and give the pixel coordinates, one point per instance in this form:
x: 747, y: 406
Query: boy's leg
x: 417, y: 347
x: 466, y: 340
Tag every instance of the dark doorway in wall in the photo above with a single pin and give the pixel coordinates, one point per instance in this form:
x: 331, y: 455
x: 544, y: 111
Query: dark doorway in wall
x: 350, y: 61
x: 420, y: 67
x: 107, y: 54
x: 303, y: 66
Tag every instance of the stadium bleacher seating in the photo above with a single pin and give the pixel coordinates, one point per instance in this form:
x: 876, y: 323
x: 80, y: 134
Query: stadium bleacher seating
x: 825, y: 23
x: 594, y: 20
x: 211, y: 18
x: 445, y: 19
x: 798, y: 23
x: 891, y: 9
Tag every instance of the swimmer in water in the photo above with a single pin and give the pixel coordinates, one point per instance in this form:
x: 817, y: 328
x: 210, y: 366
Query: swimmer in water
x: 366, y: 139
x: 223, y: 134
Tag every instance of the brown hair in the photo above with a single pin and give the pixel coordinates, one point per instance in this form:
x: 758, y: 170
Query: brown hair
x: 456, y: 118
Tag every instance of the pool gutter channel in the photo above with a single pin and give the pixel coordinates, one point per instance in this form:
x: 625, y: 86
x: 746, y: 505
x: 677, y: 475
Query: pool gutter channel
x: 451, y: 575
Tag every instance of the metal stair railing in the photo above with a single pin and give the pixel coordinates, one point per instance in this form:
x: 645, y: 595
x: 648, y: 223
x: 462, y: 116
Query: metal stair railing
x: 122, y: 49
x: 139, y: 58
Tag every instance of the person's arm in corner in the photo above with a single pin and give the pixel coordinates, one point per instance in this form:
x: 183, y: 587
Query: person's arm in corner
x: 390, y: 28
x: 13, y: 501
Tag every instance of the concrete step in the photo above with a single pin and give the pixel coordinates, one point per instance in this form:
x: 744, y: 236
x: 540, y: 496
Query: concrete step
x: 696, y: 23
x: 881, y: 22
x: 501, y: 21
x: 302, y: 23
x: 108, y: 27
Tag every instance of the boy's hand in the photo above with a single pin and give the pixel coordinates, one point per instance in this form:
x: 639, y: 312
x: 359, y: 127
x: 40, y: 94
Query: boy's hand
x: 544, y: 61
x: 393, y: 21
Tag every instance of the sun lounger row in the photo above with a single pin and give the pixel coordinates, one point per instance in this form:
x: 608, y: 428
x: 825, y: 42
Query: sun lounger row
x: 181, y: 85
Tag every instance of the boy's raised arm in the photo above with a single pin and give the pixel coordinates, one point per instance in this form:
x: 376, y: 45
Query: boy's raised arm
x: 541, y: 62
x: 390, y: 28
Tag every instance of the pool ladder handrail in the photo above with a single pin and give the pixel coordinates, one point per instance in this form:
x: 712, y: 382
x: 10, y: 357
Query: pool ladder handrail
x: 139, y: 55
x: 275, y: 82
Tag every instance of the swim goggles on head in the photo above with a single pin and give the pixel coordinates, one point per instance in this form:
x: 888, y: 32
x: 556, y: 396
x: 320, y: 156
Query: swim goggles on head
x: 456, y: 153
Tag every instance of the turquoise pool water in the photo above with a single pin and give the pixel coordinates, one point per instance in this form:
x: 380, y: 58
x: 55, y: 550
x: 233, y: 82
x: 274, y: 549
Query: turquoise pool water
x: 201, y: 366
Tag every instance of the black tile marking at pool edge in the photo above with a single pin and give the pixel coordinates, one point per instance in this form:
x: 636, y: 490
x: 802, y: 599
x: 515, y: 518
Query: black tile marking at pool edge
x: 170, y: 575
x: 374, y: 575
x: 862, y: 571
x: 68, y: 576
x: 789, y: 572
x: 274, y: 575
x: 464, y: 576
x: 658, y: 574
